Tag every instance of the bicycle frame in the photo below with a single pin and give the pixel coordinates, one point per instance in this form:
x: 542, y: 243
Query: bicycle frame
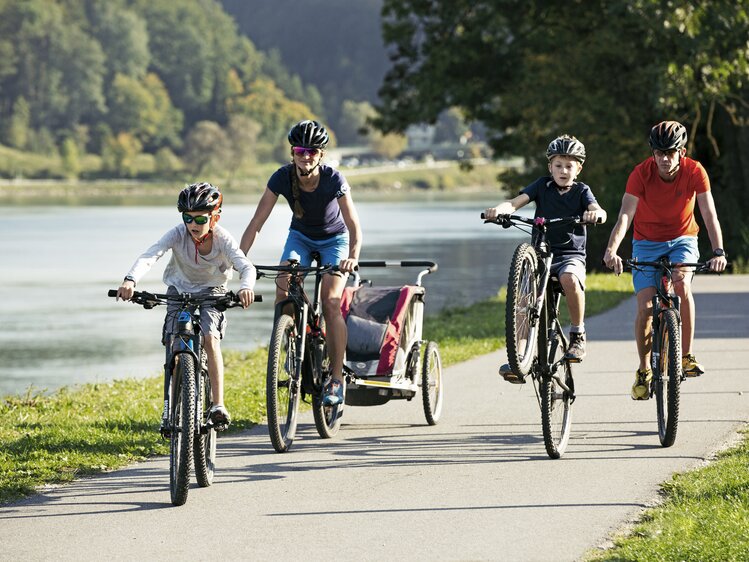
x: 308, y: 320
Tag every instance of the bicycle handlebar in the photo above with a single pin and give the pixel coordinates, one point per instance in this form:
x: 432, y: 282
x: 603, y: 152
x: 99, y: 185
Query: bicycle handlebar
x: 295, y: 268
x: 432, y: 266
x: 634, y: 263
x: 148, y: 300
x: 506, y: 221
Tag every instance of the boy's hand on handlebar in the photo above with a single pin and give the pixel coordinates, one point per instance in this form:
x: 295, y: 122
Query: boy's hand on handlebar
x: 246, y: 297
x: 613, y: 261
x: 349, y: 265
x: 126, y: 290
x: 593, y: 217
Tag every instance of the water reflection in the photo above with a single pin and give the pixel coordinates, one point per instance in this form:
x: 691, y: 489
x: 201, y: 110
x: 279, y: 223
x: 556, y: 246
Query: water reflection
x: 59, y: 328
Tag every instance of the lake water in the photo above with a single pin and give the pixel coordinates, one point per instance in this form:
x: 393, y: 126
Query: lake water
x: 58, y: 327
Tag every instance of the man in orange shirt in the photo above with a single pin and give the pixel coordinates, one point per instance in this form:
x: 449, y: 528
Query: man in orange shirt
x: 659, y: 200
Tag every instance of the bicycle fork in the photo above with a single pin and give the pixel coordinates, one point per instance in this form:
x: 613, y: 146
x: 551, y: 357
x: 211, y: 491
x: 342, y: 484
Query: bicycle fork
x: 184, y: 342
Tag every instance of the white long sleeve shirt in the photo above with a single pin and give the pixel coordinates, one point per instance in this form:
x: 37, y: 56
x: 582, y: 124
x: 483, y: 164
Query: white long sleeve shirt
x: 188, y: 271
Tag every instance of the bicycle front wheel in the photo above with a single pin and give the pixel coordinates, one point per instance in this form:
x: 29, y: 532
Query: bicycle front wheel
x: 668, y: 379
x: 556, y: 403
x: 182, y: 428
x: 282, y: 385
x: 327, y: 418
x: 520, y: 326
x: 204, y: 448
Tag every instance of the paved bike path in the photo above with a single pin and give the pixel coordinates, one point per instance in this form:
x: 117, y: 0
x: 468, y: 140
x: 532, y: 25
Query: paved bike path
x: 478, y: 486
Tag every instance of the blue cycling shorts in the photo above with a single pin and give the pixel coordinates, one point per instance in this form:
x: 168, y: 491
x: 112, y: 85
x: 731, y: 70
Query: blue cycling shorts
x: 682, y: 249
x: 300, y: 247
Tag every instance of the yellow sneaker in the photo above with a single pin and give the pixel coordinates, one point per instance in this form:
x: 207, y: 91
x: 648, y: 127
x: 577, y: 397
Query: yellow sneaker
x: 641, y: 388
x: 690, y: 366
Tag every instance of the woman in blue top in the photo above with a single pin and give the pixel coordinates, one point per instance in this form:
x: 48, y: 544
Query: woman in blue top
x: 325, y: 221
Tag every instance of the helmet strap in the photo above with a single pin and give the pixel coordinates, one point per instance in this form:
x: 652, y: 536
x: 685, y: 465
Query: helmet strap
x: 305, y: 174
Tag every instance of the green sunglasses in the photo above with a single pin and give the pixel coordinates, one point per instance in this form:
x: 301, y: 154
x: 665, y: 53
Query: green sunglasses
x: 200, y: 219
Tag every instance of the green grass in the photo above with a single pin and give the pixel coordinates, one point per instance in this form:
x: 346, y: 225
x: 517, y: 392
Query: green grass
x: 705, y: 516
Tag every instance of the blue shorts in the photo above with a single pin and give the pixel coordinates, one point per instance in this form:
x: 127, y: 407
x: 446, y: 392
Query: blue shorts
x: 682, y: 249
x: 300, y: 247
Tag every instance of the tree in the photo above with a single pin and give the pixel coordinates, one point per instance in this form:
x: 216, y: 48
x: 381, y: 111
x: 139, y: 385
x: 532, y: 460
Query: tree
x: 70, y: 158
x: 207, y: 147
x: 352, y: 128
x: 388, y: 145
x: 119, y: 154
x: 143, y: 108
x: 606, y: 76
x: 243, y: 135
x: 17, y: 131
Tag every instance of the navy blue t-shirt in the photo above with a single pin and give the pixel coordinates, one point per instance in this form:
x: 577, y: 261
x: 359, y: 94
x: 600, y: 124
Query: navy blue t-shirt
x: 322, y: 216
x: 566, y: 240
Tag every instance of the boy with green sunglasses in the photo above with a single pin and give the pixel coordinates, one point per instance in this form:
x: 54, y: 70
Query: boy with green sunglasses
x: 203, y: 256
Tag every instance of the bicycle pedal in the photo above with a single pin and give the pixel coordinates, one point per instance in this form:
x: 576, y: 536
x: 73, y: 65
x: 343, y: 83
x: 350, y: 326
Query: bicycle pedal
x: 511, y: 377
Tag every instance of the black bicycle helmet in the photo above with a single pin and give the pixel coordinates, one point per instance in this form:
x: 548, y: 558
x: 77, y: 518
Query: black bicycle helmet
x: 308, y: 134
x: 200, y: 197
x: 566, y: 145
x: 668, y: 135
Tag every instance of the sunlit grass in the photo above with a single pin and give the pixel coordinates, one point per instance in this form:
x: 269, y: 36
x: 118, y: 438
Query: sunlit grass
x: 705, y: 516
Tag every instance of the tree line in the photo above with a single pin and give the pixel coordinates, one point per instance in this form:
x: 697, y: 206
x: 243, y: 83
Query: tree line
x: 602, y: 70
x: 120, y: 78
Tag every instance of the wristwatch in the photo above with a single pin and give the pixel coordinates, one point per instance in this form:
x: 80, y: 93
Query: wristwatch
x: 719, y: 252
x: 129, y: 278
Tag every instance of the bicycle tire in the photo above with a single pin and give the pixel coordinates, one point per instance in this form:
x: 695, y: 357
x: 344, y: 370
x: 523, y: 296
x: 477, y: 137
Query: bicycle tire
x: 204, y: 448
x: 520, y: 328
x: 282, y: 392
x: 668, y: 381
x: 182, y: 428
x: 431, y: 383
x: 327, y: 418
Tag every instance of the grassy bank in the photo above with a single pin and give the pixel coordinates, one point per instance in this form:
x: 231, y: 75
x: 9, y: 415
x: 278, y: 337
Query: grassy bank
x: 90, y: 429
x: 443, y: 181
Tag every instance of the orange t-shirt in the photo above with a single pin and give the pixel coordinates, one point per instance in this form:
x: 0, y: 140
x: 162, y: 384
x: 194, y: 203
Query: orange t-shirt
x: 666, y: 209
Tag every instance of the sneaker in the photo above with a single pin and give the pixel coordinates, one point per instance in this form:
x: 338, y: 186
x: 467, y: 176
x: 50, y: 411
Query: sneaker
x: 576, y: 350
x: 332, y: 393
x: 641, y: 388
x: 690, y: 366
x: 218, y: 417
x: 506, y: 373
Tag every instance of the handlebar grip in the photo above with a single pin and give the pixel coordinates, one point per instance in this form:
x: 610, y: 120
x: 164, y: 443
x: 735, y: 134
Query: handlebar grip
x: 258, y: 298
x: 112, y: 293
x: 373, y: 263
x: 483, y: 216
x: 423, y: 263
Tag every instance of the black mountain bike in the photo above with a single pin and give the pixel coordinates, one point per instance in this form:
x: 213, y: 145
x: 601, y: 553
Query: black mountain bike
x: 536, y: 343
x: 298, y: 362
x: 187, y: 390
x: 665, y: 357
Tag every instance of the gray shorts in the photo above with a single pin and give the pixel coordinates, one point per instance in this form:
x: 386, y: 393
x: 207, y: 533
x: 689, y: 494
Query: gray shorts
x: 572, y: 264
x: 212, y: 321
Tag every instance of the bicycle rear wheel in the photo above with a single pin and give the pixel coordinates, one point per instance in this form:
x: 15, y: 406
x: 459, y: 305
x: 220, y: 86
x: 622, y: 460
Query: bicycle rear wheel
x: 521, y: 328
x: 282, y: 388
x: 431, y: 383
x: 668, y: 379
x: 182, y: 428
x: 556, y: 402
x: 327, y: 418
x: 204, y: 448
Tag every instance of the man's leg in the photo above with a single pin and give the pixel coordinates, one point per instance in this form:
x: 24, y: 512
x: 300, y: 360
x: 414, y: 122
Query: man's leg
x: 642, y: 326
